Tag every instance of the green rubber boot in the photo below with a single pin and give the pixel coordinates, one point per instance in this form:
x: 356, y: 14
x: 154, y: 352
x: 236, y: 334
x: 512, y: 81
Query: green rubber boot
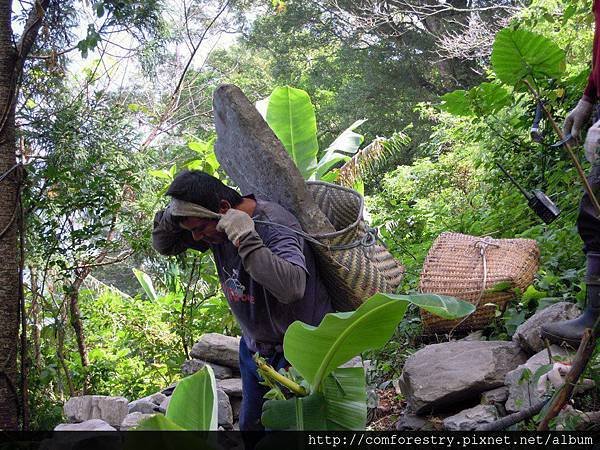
x: 571, y: 331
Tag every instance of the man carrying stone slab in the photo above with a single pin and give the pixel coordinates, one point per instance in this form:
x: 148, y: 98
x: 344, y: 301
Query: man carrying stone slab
x: 268, y: 272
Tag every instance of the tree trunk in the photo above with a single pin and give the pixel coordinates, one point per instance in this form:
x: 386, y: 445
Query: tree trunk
x: 9, y: 299
x: 34, y: 315
x: 60, y: 347
x: 77, y: 324
x: 12, y: 59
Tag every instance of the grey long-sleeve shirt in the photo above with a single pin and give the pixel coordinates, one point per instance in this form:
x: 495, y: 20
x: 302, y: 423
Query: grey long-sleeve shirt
x: 270, y: 281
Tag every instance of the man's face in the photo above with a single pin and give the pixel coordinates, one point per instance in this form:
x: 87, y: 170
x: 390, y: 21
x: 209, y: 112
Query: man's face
x: 204, y: 230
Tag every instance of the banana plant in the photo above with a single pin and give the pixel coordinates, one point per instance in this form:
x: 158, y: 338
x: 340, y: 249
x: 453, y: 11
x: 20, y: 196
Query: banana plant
x: 337, y: 398
x: 291, y: 115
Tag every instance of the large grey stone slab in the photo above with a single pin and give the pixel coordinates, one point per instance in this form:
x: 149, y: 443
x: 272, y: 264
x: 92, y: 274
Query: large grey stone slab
x: 498, y: 395
x: 191, y: 366
x: 225, y: 410
x: 232, y: 386
x: 217, y: 348
x: 522, y: 393
x: 410, y: 422
x: 256, y: 160
x: 88, y: 425
x: 132, y: 420
x: 109, y: 409
x: 472, y: 418
x: 440, y: 375
x: 528, y: 335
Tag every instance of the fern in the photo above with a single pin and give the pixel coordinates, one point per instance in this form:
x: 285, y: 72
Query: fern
x: 369, y: 161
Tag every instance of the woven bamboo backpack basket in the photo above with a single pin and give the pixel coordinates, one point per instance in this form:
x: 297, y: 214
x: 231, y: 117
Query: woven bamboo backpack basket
x: 352, y: 274
x: 468, y: 268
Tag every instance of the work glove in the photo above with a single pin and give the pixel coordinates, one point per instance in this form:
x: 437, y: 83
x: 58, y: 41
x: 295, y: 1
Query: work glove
x: 592, y: 142
x: 577, y: 118
x: 235, y: 224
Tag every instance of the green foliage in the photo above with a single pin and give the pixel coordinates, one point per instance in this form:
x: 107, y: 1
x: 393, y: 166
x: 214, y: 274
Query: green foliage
x: 146, y: 283
x: 133, y: 349
x: 340, y: 150
x: 193, y: 405
x: 291, y: 115
x: 487, y: 98
x: 522, y: 54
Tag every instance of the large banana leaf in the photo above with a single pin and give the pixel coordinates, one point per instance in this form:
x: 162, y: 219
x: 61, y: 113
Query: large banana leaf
x: 193, y: 405
x: 341, y: 406
x: 341, y: 149
x: 345, y: 393
x: 297, y: 413
x: 518, y: 54
x: 342, y: 336
x: 291, y: 116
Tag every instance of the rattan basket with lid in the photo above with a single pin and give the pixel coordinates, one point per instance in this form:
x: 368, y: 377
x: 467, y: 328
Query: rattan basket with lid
x: 455, y: 266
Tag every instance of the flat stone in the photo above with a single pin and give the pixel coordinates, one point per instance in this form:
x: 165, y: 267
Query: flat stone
x: 472, y: 418
x: 132, y: 420
x: 354, y: 362
x: 569, y: 415
x: 525, y: 394
x: 474, y: 336
x: 236, y: 407
x: 168, y: 391
x: 410, y: 422
x: 192, y: 366
x: 498, y: 395
x: 157, y: 398
x: 440, y: 375
x: 232, y: 386
x: 217, y: 348
x: 224, y: 409
x: 88, y: 425
x: 142, y: 406
x: 528, y: 335
x: 162, y: 408
x: 112, y: 410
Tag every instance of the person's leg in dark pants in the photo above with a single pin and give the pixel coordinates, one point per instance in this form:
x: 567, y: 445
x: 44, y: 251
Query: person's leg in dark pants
x: 588, y: 225
x: 252, y: 390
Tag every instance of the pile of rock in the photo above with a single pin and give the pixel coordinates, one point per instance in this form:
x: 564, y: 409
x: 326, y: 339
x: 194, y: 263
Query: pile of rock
x: 104, y: 413
x: 222, y: 354
x: 471, y: 382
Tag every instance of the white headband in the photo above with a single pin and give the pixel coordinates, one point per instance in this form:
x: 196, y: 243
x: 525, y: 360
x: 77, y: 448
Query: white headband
x: 188, y: 209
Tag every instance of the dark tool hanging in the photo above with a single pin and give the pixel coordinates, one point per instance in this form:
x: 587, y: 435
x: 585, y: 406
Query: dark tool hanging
x: 535, y: 133
x: 539, y: 202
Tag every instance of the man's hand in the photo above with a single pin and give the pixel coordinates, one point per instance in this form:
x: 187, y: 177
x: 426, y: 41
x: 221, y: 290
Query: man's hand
x: 592, y: 142
x: 236, y: 224
x: 577, y: 118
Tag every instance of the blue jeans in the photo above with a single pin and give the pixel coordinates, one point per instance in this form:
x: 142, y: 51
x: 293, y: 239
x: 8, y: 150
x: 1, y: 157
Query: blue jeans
x: 253, y: 392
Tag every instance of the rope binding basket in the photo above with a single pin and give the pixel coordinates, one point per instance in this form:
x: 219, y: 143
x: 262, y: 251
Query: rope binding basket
x: 469, y: 268
x: 354, y: 264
